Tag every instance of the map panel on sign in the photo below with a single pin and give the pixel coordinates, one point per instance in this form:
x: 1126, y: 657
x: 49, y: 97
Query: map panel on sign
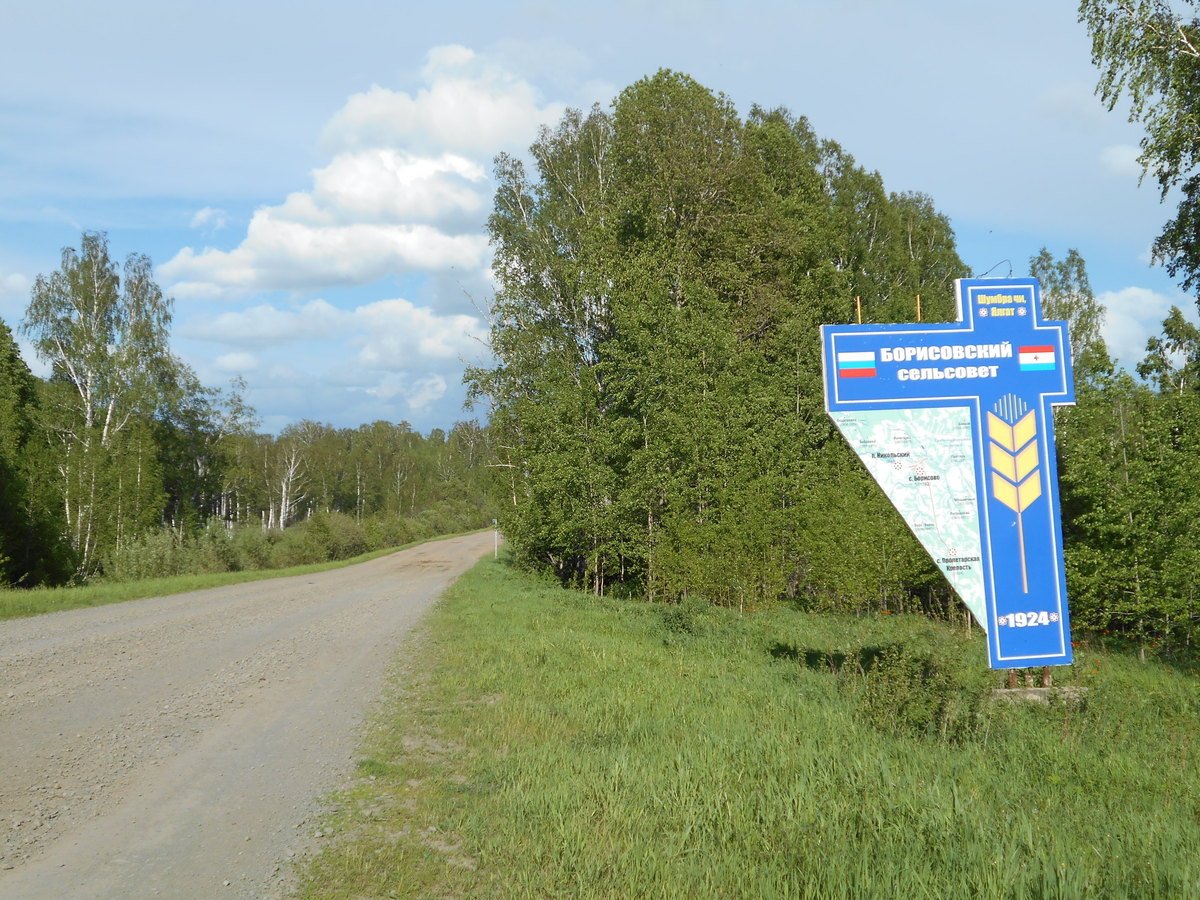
x: 924, y: 460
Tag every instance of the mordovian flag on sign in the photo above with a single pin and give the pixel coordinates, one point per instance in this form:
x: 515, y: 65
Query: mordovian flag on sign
x: 1037, y: 359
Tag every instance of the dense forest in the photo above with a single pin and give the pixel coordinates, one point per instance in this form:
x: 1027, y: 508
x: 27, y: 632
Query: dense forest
x: 656, y: 403
x: 121, y: 464
x: 657, y: 395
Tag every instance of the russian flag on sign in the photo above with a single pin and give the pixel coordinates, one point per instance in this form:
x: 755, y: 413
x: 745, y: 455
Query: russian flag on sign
x: 1037, y: 359
x: 856, y: 364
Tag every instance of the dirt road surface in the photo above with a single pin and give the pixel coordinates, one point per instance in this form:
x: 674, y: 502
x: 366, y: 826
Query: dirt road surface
x: 177, y: 747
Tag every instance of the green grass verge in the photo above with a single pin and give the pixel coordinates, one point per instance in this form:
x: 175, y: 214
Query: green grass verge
x: 542, y: 743
x: 17, y: 603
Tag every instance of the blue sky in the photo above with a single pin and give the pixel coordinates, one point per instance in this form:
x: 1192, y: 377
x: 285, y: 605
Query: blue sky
x: 311, y: 179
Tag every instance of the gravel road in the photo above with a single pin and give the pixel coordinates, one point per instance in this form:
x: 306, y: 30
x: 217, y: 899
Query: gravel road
x: 177, y: 747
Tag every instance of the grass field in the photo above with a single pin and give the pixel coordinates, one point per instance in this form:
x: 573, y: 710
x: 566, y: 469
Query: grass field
x: 542, y: 743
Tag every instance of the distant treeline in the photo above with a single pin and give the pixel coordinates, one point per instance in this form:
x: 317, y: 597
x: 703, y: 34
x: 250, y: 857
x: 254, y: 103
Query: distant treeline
x: 656, y: 400
x: 122, y: 443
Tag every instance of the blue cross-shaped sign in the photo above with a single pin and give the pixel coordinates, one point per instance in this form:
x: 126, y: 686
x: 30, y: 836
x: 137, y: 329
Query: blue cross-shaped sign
x: 955, y: 422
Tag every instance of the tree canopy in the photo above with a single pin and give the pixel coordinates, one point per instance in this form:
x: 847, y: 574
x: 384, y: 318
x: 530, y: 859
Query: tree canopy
x: 104, y: 333
x: 656, y: 398
x: 30, y: 548
x: 1149, y: 53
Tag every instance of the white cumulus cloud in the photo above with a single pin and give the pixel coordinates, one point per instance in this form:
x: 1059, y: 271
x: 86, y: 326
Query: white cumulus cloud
x: 391, y: 186
x: 13, y: 283
x: 210, y: 218
x: 284, y: 254
x: 467, y: 104
x: 405, y: 190
x: 417, y: 394
x: 267, y: 325
x: 424, y: 392
x: 389, y: 357
x: 395, y: 334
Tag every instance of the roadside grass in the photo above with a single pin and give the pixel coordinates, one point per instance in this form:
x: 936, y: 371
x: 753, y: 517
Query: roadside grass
x: 18, y: 603
x: 544, y: 743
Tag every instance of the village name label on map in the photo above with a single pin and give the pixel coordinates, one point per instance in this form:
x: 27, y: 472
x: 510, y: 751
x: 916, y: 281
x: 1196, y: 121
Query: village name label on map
x: 955, y: 422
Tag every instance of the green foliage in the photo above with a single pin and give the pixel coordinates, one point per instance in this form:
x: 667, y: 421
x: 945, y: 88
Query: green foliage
x: 19, y: 603
x: 923, y: 691
x: 1128, y: 451
x: 1129, y: 510
x: 656, y: 399
x: 682, y: 618
x: 195, y: 432
x: 1172, y: 363
x: 1150, y: 53
x: 324, y: 537
x: 1067, y: 295
x: 331, y: 535
x: 382, y: 470
x: 30, y: 548
x: 546, y: 744
x: 104, y: 334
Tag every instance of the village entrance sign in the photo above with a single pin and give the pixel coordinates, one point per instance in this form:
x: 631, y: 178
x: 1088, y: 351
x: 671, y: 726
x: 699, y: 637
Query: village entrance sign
x: 954, y: 420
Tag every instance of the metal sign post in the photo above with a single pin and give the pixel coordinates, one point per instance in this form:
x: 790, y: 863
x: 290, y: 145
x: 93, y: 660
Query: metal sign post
x: 955, y: 423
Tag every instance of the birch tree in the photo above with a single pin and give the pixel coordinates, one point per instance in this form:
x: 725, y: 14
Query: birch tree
x: 1148, y: 52
x: 1067, y: 294
x: 104, y: 334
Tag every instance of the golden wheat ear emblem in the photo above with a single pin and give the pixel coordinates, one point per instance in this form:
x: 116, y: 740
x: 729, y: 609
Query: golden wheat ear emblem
x: 1016, y: 474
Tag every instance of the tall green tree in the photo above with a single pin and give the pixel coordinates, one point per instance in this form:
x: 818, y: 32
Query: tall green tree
x: 1172, y: 360
x: 1127, y: 454
x: 16, y: 401
x: 551, y: 318
x: 30, y: 552
x: 104, y: 334
x: 1129, y: 508
x: 893, y: 248
x: 193, y: 431
x: 1149, y: 52
x: 1067, y: 295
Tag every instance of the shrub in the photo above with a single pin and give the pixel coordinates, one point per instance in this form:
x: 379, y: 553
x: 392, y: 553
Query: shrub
x: 209, y: 551
x: 330, y: 536
x: 387, y: 532
x: 909, y: 689
x: 324, y: 537
x: 150, y: 555
x: 251, y: 548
